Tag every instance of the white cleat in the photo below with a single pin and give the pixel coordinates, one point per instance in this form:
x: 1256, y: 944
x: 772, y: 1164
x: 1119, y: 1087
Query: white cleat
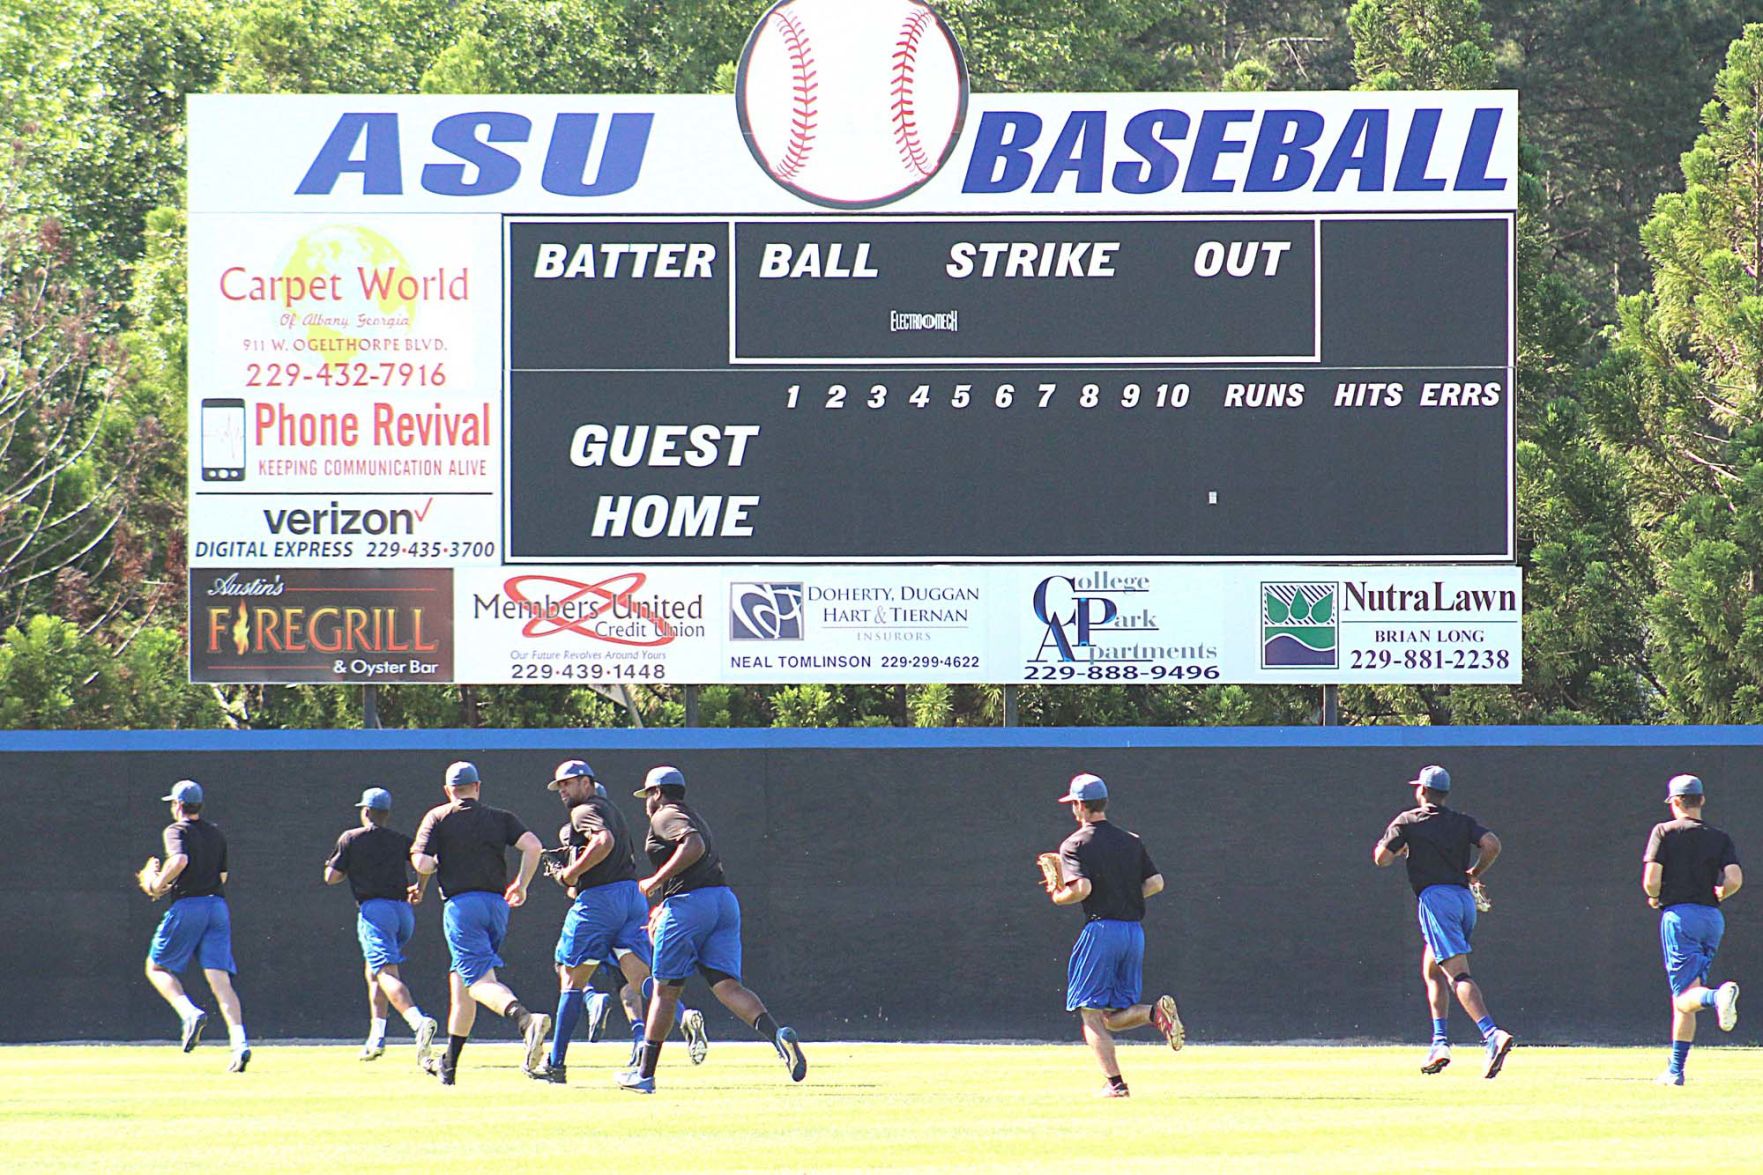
x: 373, y: 1050
x: 1668, y: 1078
x: 425, y: 1040
x: 1437, y: 1059
x: 691, y: 1023
x: 1726, y: 1006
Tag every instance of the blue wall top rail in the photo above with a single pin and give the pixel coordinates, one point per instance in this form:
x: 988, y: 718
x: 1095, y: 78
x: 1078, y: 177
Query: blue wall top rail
x: 876, y: 738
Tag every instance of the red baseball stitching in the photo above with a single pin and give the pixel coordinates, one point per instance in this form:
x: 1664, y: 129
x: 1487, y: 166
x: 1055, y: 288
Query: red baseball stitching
x: 802, y: 113
x: 912, y: 152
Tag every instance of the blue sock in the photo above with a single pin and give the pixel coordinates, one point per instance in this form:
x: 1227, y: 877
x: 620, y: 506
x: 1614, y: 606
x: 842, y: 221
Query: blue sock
x: 1708, y: 997
x: 1680, y: 1052
x: 1487, y: 1026
x: 637, y: 1031
x: 1441, y: 1032
x: 569, y: 1014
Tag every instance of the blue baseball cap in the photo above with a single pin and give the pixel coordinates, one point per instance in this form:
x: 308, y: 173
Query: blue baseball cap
x: 376, y: 798
x: 462, y: 773
x: 599, y: 789
x: 569, y: 769
x: 1433, y: 778
x: 1085, y: 788
x: 1682, y: 785
x: 660, y: 777
x: 185, y: 791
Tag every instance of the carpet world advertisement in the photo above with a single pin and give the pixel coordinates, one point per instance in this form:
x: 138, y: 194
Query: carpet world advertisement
x: 301, y: 625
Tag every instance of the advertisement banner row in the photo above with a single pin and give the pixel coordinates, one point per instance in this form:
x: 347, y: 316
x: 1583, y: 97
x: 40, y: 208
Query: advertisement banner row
x: 1090, y: 625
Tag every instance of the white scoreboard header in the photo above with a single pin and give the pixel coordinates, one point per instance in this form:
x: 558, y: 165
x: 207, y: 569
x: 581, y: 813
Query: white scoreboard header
x: 1018, y: 153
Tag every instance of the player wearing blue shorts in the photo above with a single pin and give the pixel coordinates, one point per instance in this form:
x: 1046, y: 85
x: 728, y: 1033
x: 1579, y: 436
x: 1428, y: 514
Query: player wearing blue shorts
x: 1688, y: 870
x: 1439, y: 845
x: 198, y: 926
x: 375, y: 859
x: 608, y: 919
x: 1107, y: 869
x: 465, y: 843
x: 697, y: 926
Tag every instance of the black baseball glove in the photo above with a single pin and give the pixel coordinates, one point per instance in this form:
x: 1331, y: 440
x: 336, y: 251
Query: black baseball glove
x: 554, y: 861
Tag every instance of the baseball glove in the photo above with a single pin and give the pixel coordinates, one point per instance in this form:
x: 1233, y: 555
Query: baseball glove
x: 146, y: 875
x: 1479, y: 892
x: 1049, y: 863
x: 554, y: 862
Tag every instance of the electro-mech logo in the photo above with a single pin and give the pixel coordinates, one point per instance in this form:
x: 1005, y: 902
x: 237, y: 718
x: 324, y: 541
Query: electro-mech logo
x: 765, y: 611
x: 1300, y: 626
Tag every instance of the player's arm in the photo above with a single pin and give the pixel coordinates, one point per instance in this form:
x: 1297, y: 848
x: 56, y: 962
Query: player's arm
x: 169, y: 872
x: 1489, y: 844
x: 1731, y: 878
x: 1652, y: 878
x: 685, y: 855
x: 589, y: 855
x: 529, y: 848
x: 1153, y: 885
x: 1070, y: 893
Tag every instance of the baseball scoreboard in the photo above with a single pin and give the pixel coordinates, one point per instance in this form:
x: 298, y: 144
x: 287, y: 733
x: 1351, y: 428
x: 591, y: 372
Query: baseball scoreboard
x: 804, y: 384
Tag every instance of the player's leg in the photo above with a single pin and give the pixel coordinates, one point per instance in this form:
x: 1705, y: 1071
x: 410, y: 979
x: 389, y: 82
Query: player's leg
x: 487, y: 918
x: 1089, y: 984
x: 572, y: 993
x: 378, y: 1009
x: 214, y: 954
x: 173, y: 945
x: 1101, y: 1043
x: 719, y: 961
x: 1447, y: 922
x: 1438, y: 1003
x: 679, y: 924
x: 634, y: 993
x: 1689, y: 938
x: 398, y: 995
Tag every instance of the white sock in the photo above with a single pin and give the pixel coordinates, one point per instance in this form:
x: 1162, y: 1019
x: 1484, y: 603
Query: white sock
x: 236, y: 1034
x: 186, y: 1008
x: 412, y: 1016
x: 377, y: 1034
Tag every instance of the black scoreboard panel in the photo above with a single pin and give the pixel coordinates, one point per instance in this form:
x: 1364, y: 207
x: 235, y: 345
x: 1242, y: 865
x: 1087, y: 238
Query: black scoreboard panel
x: 980, y: 389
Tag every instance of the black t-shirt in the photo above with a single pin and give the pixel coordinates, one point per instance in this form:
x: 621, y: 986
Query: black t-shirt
x: 671, y: 824
x: 469, y: 841
x: 1115, y: 863
x: 203, y: 844
x: 1439, y: 843
x: 1692, y: 855
x: 376, y: 861
x: 587, y: 819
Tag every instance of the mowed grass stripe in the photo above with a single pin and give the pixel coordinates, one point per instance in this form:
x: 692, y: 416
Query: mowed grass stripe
x: 900, y: 1107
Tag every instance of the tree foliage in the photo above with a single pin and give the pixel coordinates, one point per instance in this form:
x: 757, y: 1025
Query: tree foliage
x: 1640, y: 428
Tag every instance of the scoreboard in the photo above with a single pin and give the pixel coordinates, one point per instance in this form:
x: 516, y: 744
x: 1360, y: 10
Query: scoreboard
x: 1124, y: 388
x: 998, y: 389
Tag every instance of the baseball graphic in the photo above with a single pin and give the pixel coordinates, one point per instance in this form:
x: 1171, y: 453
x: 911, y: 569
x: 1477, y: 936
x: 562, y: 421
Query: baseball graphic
x: 851, y: 104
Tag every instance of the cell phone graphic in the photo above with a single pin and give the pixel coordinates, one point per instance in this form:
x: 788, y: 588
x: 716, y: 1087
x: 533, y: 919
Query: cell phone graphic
x: 223, y: 440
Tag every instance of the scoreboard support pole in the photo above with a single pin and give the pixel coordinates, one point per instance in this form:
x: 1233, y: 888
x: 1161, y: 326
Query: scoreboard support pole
x: 691, y: 705
x: 1010, y: 718
x: 1331, y: 705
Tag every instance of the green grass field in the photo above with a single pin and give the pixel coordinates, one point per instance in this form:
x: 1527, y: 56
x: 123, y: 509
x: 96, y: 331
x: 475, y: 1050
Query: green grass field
x: 1016, y: 1108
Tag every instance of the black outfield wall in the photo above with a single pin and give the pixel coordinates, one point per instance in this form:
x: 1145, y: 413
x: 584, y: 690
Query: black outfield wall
x: 887, y: 877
